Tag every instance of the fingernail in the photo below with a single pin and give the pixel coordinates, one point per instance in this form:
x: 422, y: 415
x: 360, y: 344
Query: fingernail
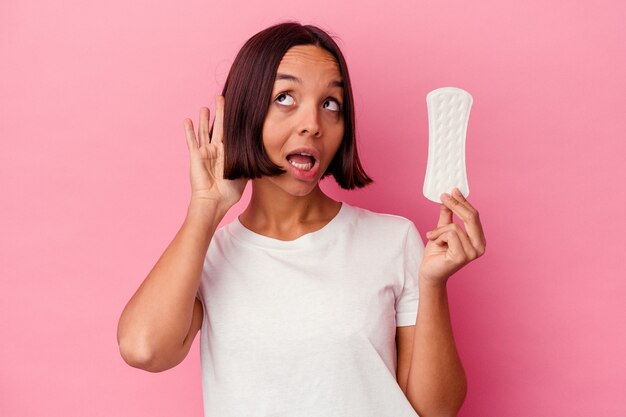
x: 445, y: 197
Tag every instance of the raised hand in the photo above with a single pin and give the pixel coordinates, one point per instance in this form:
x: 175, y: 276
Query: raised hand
x: 449, y: 247
x: 206, y: 156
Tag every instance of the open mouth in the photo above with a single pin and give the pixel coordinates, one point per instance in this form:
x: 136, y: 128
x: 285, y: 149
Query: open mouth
x: 301, y: 160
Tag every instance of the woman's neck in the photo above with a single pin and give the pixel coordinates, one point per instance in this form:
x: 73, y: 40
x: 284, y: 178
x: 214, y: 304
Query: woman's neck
x: 280, y: 215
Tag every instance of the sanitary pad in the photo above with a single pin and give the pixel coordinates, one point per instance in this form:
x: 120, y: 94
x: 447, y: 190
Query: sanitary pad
x: 448, y: 114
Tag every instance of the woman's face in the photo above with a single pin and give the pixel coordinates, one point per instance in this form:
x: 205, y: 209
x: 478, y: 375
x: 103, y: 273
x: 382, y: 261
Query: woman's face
x: 304, y: 124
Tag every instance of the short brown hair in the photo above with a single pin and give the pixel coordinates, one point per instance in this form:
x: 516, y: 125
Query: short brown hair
x: 247, y: 93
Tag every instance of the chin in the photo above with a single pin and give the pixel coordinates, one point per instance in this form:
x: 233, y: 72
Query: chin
x: 295, y: 187
x: 301, y: 191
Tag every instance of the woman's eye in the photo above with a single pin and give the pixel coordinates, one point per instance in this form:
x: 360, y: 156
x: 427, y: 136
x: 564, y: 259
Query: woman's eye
x: 332, y: 105
x: 285, y: 99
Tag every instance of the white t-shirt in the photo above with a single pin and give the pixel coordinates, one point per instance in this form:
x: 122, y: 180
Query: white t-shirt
x: 306, y: 328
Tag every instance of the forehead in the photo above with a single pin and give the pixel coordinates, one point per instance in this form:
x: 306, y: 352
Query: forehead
x: 309, y: 58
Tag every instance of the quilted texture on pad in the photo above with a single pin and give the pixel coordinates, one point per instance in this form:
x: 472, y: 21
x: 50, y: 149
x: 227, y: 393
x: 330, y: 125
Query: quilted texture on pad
x: 448, y: 115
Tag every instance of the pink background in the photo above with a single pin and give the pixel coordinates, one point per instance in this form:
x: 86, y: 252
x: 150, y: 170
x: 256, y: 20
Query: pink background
x: 94, y: 180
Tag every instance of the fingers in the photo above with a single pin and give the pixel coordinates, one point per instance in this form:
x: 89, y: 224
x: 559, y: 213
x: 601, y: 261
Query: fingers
x: 218, y: 123
x: 447, y: 232
x: 190, y: 136
x: 456, y: 248
x: 445, y: 216
x: 203, y: 129
x: 204, y: 134
x: 457, y: 203
x: 466, y: 212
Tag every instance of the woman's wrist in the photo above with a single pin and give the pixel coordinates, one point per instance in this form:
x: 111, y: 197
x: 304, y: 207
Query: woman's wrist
x: 205, y: 211
x: 428, y: 285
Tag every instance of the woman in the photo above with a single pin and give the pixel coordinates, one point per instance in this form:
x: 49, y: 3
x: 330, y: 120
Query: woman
x: 308, y: 306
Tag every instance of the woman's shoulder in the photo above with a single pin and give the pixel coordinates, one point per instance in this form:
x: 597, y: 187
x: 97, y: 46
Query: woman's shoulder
x: 378, y: 220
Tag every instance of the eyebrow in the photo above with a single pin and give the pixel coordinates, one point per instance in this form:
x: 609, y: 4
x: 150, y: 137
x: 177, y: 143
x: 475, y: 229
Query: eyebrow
x: 289, y: 77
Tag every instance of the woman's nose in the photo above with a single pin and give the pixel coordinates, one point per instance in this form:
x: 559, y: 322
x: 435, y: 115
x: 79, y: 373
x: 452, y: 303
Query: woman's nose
x: 309, y: 123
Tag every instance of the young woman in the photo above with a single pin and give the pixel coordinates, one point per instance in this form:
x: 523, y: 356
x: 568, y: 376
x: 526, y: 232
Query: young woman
x: 308, y: 306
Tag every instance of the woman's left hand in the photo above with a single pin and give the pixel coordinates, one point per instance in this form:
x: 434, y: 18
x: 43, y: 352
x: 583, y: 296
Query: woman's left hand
x: 449, y: 247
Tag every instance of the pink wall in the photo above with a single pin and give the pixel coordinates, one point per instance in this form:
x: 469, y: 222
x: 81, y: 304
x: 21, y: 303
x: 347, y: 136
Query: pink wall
x: 93, y: 173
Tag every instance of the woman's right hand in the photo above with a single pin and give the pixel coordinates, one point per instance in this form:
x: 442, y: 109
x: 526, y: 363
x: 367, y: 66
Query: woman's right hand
x: 207, y: 161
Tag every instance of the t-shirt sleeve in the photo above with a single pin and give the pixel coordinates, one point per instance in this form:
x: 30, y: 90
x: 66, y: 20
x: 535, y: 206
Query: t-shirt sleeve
x: 406, y: 303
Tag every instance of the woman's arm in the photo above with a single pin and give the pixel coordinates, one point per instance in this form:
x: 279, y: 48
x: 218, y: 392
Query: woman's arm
x: 436, y: 383
x: 160, y: 321
x: 154, y: 330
